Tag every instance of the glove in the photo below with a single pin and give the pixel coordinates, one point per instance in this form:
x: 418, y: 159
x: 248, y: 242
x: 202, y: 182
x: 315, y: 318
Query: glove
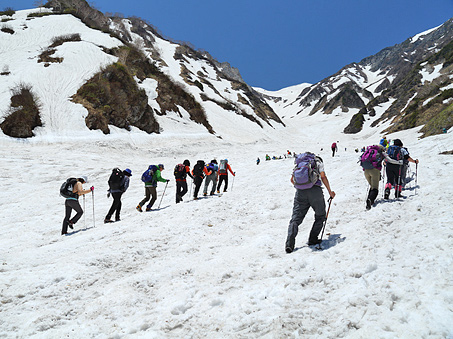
x: 92, y: 188
x: 168, y: 180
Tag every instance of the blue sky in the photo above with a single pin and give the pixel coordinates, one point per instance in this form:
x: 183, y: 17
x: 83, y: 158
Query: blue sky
x: 277, y: 44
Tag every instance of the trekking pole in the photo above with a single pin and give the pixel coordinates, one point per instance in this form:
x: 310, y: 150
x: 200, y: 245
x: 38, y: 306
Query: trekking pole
x: 92, y: 198
x: 416, y: 172
x: 190, y: 193
x: 232, y: 184
x: 84, y: 214
x: 325, y: 222
x: 163, y: 195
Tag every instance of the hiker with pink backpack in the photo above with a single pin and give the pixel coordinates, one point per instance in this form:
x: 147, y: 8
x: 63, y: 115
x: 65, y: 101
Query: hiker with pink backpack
x: 371, y: 162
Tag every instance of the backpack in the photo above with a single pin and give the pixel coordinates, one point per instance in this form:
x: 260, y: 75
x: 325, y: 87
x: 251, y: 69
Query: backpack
x: 198, y: 168
x: 394, y: 152
x: 180, y: 171
x: 334, y: 145
x: 213, y: 167
x: 67, y: 187
x: 223, y: 166
x: 147, y: 176
x: 371, y: 158
x: 115, y: 179
x: 306, y: 172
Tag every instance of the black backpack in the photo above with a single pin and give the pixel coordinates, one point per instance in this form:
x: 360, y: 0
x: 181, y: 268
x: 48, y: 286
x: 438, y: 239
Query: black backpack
x: 67, y: 187
x: 198, y: 169
x: 180, y: 171
x: 115, y: 179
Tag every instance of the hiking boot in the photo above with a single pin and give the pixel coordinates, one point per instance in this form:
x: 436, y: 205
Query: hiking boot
x: 289, y: 249
x: 148, y: 208
x: 108, y: 221
x: 368, y: 204
x: 218, y: 191
x: 71, y: 224
x: 224, y: 190
x: 386, y: 193
x: 314, y: 242
x: 139, y: 208
x: 117, y: 219
x: 205, y: 194
x: 195, y: 198
x: 212, y: 193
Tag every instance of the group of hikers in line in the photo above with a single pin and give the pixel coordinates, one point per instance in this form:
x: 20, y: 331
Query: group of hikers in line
x: 216, y: 175
x: 308, y: 177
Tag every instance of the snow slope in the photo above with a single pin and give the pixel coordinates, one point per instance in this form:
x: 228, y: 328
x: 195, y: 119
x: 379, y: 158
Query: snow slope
x: 216, y: 267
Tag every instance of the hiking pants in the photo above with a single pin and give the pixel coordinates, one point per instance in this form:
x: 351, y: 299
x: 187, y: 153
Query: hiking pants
x: 210, y: 178
x: 181, y: 190
x: 198, y: 181
x: 333, y: 151
x: 116, y: 206
x: 303, y: 200
x: 373, y: 176
x: 223, y: 178
x: 394, y: 173
x: 150, y: 192
x: 69, y: 206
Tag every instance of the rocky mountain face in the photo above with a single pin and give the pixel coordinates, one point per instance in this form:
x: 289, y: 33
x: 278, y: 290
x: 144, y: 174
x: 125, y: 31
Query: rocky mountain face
x: 404, y: 86
x: 152, y: 79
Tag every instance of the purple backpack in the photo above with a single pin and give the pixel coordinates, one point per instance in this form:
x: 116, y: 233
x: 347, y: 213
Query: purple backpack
x: 371, y: 158
x: 306, y: 173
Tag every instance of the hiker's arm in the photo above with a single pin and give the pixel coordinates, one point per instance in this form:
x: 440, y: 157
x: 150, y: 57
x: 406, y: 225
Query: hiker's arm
x: 412, y: 160
x: 79, y: 189
x: 229, y: 168
x: 325, y: 181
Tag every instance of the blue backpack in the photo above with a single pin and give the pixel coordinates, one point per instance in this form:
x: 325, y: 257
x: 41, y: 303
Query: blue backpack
x: 213, y: 167
x: 306, y: 173
x: 147, y: 176
x: 394, y: 152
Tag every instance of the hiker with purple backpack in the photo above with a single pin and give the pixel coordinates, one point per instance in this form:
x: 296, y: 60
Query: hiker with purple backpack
x: 371, y: 162
x: 307, y: 178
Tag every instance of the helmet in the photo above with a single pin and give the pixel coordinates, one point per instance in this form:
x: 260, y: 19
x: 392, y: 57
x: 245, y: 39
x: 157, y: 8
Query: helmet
x: 128, y: 172
x: 161, y: 166
x: 84, y: 178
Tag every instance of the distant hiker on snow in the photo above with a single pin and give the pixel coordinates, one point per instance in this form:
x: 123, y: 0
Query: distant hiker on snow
x: 181, y: 172
x: 150, y: 177
x: 307, y: 177
x: 258, y: 161
x: 211, y: 178
x: 334, y: 148
x: 224, y: 167
x: 71, y: 190
x: 384, y: 142
x: 118, y: 184
x: 198, y: 172
x: 371, y: 162
x: 394, y: 167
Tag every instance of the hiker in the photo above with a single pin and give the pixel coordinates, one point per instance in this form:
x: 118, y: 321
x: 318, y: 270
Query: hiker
x: 181, y: 172
x: 394, y: 167
x: 224, y: 167
x: 384, y: 142
x: 72, y: 202
x: 213, y: 168
x: 307, y: 178
x: 334, y: 148
x: 118, y: 184
x: 198, y: 172
x: 258, y: 161
x: 371, y: 162
x: 150, y: 177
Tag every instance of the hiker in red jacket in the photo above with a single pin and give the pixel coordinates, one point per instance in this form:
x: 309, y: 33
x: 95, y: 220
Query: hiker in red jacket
x: 224, y: 167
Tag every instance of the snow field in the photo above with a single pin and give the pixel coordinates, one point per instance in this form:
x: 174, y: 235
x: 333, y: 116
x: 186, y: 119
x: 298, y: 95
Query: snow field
x: 217, y: 266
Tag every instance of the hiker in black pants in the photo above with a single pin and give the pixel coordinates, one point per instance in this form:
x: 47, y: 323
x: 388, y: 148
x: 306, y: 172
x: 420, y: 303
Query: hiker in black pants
x: 224, y: 167
x: 72, y: 203
x: 116, y: 194
x: 181, y: 183
x: 198, y: 172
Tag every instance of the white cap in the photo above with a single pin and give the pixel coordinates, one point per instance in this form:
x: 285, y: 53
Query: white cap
x: 85, y: 178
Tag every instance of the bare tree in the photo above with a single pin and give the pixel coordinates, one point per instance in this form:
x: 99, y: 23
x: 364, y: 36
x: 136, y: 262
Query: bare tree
x: 39, y: 3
